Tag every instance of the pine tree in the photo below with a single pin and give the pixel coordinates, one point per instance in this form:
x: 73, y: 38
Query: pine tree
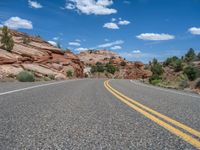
x: 6, y: 39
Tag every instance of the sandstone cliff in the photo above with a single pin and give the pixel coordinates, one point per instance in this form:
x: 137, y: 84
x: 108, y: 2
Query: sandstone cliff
x: 38, y: 56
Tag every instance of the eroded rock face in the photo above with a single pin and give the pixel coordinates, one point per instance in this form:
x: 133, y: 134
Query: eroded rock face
x: 127, y: 69
x: 38, y: 56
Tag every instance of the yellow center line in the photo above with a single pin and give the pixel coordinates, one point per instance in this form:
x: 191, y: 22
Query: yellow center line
x: 167, y: 126
x: 178, y: 124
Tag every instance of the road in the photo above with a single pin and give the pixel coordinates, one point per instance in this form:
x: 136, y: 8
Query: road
x: 97, y: 114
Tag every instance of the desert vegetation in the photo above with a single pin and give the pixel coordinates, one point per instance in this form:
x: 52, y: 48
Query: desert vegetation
x: 6, y: 39
x: 175, y: 72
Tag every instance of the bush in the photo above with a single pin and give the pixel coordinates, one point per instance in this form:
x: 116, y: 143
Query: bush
x: 169, y: 61
x: 190, y: 55
x: 100, y: 67
x: 123, y: 63
x: 110, y: 68
x: 6, y: 40
x: 177, y: 65
x: 154, y: 77
x: 157, y: 69
x: 51, y: 76
x: 69, y: 73
x: 25, y: 40
x: 191, y: 73
x: 93, y: 69
x: 26, y: 76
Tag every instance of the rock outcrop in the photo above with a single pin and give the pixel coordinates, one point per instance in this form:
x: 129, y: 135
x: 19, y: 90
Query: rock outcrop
x: 127, y: 69
x: 38, y: 56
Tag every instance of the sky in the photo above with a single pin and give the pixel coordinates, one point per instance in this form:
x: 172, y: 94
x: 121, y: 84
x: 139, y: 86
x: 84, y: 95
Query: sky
x: 139, y: 30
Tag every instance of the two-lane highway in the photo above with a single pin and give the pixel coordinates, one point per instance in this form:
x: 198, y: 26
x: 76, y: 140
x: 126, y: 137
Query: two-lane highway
x: 89, y: 114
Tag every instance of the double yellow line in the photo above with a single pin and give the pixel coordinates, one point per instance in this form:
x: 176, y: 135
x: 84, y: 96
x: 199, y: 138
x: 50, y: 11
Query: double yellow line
x: 186, y: 133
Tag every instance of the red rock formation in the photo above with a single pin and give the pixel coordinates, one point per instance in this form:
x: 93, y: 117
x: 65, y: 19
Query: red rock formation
x: 130, y: 70
x: 39, y: 56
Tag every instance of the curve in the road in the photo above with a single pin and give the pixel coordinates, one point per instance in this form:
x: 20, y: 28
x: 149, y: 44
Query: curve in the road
x: 149, y: 113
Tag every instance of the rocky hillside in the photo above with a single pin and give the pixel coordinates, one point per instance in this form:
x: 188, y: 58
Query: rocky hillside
x: 124, y: 69
x: 38, y: 56
x: 178, y: 73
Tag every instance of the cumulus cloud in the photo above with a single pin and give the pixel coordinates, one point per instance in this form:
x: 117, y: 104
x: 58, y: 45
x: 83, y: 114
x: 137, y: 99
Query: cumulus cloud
x: 52, y: 43
x: 74, y: 44
x: 194, y: 30
x: 34, y: 4
x: 155, y: 36
x: 17, y: 22
x: 81, y: 49
x: 78, y: 40
x: 97, y: 7
x: 56, y: 38
x: 114, y: 24
x: 1, y: 25
x: 111, y: 44
x: 111, y: 25
x: 124, y: 22
x: 116, y: 47
x: 136, y: 51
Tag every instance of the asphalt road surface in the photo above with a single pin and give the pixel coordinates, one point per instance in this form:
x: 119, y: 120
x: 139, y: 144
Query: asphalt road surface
x: 97, y: 114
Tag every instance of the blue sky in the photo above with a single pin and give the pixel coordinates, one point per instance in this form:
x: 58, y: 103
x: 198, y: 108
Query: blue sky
x: 137, y: 29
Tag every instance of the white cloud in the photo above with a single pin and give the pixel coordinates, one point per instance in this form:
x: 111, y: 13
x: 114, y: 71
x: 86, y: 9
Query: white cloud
x: 116, y: 47
x: 52, y: 43
x: 97, y: 7
x: 113, y: 19
x: 74, y: 44
x: 81, y: 49
x: 16, y: 23
x: 111, y: 44
x: 1, y: 25
x: 155, y: 36
x: 124, y: 22
x: 136, y: 51
x: 194, y: 30
x: 56, y: 38
x: 111, y: 25
x: 34, y: 4
x: 78, y: 40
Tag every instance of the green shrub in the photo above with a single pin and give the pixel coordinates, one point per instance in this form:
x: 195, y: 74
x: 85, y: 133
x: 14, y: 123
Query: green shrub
x: 190, y: 55
x: 157, y: 69
x: 169, y: 61
x: 154, y: 77
x: 25, y: 40
x: 6, y: 39
x: 110, y: 68
x: 26, y: 76
x: 191, y: 73
x: 178, y: 65
x: 93, y: 69
x: 100, y: 67
x: 51, y: 76
x: 69, y: 73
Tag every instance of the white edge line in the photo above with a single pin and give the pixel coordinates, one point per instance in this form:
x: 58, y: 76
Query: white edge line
x: 32, y: 87
x: 166, y: 90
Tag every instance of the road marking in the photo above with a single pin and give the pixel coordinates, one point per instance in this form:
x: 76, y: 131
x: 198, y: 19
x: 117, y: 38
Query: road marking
x: 166, y: 90
x: 167, y: 126
x: 178, y: 124
x: 32, y: 87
